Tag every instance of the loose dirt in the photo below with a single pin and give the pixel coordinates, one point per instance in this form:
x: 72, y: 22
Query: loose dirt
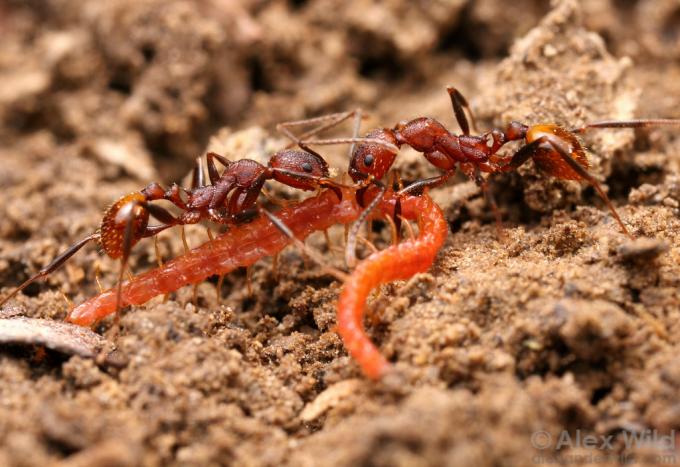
x: 561, y: 323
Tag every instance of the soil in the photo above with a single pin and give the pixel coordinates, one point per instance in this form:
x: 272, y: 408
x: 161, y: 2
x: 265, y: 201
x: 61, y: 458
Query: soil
x: 559, y: 323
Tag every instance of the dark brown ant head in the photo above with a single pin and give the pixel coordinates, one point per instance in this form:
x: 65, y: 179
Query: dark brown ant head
x: 129, y: 208
x: 299, y: 169
x: 372, y: 159
x: 516, y: 131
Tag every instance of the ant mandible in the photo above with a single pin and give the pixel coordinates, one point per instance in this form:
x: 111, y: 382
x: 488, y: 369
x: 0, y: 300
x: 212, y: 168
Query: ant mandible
x: 229, y: 197
x: 555, y: 150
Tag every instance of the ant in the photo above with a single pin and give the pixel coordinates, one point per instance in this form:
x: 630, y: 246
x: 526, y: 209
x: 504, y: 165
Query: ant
x: 228, y: 199
x: 555, y: 150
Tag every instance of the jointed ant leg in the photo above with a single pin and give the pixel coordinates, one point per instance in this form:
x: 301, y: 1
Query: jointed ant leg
x: 460, y: 104
x: 197, y: 175
x: 420, y: 185
x: 409, y: 228
x: 579, y: 169
x: 528, y: 151
x: 184, y: 239
x: 350, y: 250
x: 312, y: 253
x: 328, y: 122
x: 213, y: 173
x: 329, y: 142
x: 156, y: 248
x: 53, y: 266
x: 476, y: 175
x: 393, y: 229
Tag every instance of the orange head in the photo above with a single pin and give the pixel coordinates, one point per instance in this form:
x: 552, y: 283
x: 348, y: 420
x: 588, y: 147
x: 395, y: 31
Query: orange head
x: 129, y: 208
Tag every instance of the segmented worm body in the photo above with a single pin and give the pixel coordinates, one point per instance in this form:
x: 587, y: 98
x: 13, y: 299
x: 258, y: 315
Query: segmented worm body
x: 244, y: 245
x: 397, y: 262
x: 240, y: 246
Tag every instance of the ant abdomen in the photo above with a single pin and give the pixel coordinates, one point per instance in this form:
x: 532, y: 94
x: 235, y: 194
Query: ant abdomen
x: 548, y: 160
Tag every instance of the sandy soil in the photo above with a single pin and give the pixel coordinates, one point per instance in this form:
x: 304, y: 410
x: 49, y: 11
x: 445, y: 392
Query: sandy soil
x: 561, y: 324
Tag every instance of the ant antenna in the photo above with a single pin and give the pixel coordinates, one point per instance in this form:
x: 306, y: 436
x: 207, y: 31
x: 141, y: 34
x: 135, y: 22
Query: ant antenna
x: 637, y: 123
x: 53, y: 266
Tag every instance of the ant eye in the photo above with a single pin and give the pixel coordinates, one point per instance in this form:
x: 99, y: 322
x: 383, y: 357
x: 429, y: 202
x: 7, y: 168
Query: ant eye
x: 368, y: 160
x: 307, y: 167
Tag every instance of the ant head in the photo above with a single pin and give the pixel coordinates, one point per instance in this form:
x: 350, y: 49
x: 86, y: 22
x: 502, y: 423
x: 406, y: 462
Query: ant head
x: 515, y: 131
x: 128, y: 210
x: 371, y: 159
x: 299, y: 169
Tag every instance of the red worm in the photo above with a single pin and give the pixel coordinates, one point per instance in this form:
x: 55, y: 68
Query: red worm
x: 246, y: 244
x: 240, y: 246
x: 394, y: 263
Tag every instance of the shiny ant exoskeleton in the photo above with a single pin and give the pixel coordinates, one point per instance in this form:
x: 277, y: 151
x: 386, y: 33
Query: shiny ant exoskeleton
x: 555, y: 150
x: 229, y: 196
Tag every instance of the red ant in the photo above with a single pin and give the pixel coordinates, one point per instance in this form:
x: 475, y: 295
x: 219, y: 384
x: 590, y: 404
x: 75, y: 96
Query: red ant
x: 227, y: 200
x: 555, y: 150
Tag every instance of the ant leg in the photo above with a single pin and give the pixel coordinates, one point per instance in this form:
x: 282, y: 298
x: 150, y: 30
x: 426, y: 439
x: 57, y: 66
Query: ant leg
x: 420, y: 185
x: 184, y: 239
x: 332, y: 120
x: 369, y: 244
x: 312, y: 253
x: 284, y: 203
x: 53, y: 266
x: 127, y: 246
x: 528, y: 151
x: 157, y: 250
x: 329, y: 142
x: 409, y: 228
x: 159, y: 259
x: 522, y: 155
x: 393, y: 228
x: 350, y: 250
x: 637, y: 123
x: 197, y: 175
x: 213, y: 173
x: 473, y: 172
x: 579, y: 169
x: 159, y: 213
x: 460, y: 104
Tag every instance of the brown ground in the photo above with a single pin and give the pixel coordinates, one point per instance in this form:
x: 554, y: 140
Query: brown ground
x: 561, y: 325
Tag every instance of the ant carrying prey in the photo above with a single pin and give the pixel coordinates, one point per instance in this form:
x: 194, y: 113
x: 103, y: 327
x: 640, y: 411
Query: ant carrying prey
x: 228, y: 199
x: 555, y: 150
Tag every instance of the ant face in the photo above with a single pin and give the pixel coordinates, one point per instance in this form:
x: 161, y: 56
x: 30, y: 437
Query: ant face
x: 299, y: 169
x: 370, y: 159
